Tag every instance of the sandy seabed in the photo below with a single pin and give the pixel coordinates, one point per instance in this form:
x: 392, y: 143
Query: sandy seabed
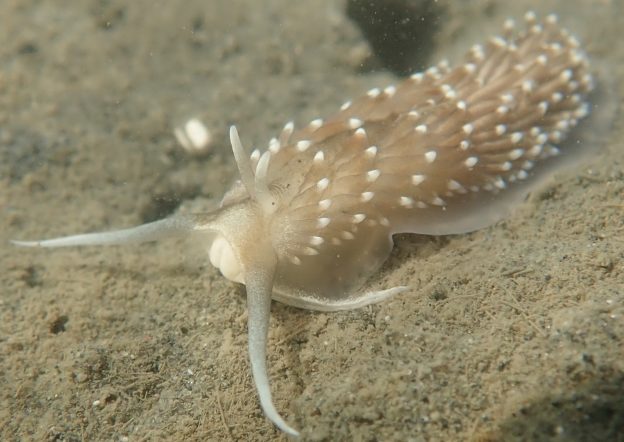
x: 513, y: 332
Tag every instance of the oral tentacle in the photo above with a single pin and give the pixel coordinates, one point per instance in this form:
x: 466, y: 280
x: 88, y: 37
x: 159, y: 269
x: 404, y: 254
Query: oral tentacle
x: 259, y: 282
x: 165, y: 228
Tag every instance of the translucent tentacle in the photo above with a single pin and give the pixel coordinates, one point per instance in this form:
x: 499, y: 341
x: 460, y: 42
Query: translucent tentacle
x: 156, y: 230
x: 242, y: 161
x: 263, y: 194
x: 259, y: 282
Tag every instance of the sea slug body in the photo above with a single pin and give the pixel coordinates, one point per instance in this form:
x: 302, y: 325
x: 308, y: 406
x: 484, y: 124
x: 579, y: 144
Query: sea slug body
x: 446, y: 151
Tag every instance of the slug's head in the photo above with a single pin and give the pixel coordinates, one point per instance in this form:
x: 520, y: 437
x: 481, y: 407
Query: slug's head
x: 243, y: 251
x: 242, y: 219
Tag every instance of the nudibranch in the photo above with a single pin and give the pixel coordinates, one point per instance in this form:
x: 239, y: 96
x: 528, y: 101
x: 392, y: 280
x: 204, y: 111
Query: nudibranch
x: 446, y: 151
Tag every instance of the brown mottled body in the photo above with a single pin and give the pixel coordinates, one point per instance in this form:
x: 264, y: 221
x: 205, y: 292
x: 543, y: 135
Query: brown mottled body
x: 421, y: 157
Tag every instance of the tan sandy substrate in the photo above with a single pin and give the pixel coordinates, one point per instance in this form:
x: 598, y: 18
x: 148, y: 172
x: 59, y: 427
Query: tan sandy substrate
x: 510, y: 333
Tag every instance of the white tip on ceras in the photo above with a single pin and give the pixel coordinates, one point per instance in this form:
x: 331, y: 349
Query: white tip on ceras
x: 256, y: 183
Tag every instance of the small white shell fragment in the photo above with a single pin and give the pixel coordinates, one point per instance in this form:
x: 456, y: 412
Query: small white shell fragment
x: 194, y: 137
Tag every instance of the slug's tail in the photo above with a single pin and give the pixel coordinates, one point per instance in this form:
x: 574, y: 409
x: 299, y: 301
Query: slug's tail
x: 156, y: 230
